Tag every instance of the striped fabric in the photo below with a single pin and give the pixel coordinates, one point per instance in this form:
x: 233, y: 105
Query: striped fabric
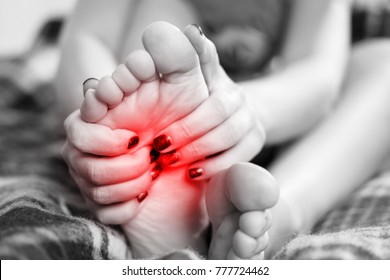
x: 357, y: 229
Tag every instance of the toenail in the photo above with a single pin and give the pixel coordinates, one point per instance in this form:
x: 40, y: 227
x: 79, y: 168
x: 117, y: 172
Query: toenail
x: 200, y: 29
x: 154, y: 155
x: 156, y: 172
x: 89, y: 79
x: 86, y: 82
x: 162, y: 142
x: 170, y: 158
x: 195, y: 172
x: 142, y: 196
x: 133, y: 141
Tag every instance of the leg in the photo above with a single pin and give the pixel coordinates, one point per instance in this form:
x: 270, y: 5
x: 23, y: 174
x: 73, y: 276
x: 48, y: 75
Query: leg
x: 342, y: 152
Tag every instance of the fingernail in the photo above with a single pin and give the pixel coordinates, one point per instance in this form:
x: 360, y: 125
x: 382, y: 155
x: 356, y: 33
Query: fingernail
x: 200, y: 29
x: 156, y: 172
x: 154, y: 155
x: 142, y: 196
x: 170, y: 158
x: 89, y: 79
x: 162, y: 142
x: 195, y: 172
x: 133, y: 141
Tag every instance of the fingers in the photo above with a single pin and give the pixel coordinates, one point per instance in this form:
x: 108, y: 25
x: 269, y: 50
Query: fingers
x: 243, y: 151
x: 221, y: 138
x: 98, y: 139
x: 211, y: 113
x: 114, y: 214
x: 115, y: 193
x: 107, y: 170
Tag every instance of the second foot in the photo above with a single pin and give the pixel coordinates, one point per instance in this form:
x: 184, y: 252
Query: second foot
x: 238, y: 202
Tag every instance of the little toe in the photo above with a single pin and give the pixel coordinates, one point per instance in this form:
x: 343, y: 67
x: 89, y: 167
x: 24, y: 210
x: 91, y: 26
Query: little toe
x: 108, y: 92
x: 141, y: 65
x: 172, y: 52
x: 92, y: 109
x: 255, y: 223
x: 90, y: 83
x: 125, y: 80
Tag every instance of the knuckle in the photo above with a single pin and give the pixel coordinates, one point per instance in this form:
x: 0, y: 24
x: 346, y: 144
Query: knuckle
x: 193, y: 150
x: 232, y: 134
x: 222, y: 106
x: 183, y: 130
x: 226, y: 101
x: 99, y: 195
x: 94, y: 173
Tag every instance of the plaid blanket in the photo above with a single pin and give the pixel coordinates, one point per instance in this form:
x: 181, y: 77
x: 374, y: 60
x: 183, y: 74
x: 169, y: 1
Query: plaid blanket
x: 43, y: 216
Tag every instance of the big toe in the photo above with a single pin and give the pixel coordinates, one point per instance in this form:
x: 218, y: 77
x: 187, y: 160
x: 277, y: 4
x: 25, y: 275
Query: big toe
x: 170, y: 49
x: 250, y: 187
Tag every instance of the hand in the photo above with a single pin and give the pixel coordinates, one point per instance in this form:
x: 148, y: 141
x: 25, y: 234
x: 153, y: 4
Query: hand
x: 112, y: 175
x: 223, y: 130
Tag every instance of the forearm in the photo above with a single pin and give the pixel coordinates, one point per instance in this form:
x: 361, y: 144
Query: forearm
x: 294, y: 99
x: 339, y: 155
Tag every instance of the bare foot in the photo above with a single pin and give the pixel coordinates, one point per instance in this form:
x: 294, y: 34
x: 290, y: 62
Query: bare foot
x: 154, y: 88
x: 238, y: 202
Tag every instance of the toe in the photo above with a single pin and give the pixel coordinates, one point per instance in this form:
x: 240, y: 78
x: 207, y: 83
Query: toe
x: 261, y: 243
x: 172, y: 52
x: 207, y: 53
x: 250, y: 187
x: 141, y: 65
x: 108, y: 92
x: 255, y: 223
x: 222, y: 236
x: 92, y: 109
x: 244, y: 245
x: 125, y: 80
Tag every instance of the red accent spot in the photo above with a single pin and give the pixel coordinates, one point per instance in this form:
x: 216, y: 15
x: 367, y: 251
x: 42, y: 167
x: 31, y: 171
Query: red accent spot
x: 170, y: 158
x: 162, y: 142
x: 195, y: 172
x: 156, y: 171
x: 142, y: 196
x: 133, y: 141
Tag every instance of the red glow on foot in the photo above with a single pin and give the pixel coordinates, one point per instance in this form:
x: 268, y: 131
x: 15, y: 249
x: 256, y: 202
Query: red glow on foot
x: 156, y: 171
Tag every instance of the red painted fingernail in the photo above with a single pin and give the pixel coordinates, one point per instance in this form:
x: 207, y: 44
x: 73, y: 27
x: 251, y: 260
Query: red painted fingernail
x: 156, y: 172
x: 162, y: 142
x: 154, y: 155
x: 142, y: 196
x: 170, y: 158
x: 195, y: 172
x: 133, y: 141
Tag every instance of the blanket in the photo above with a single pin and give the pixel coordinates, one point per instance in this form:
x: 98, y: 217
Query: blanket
x: 43, y: 215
